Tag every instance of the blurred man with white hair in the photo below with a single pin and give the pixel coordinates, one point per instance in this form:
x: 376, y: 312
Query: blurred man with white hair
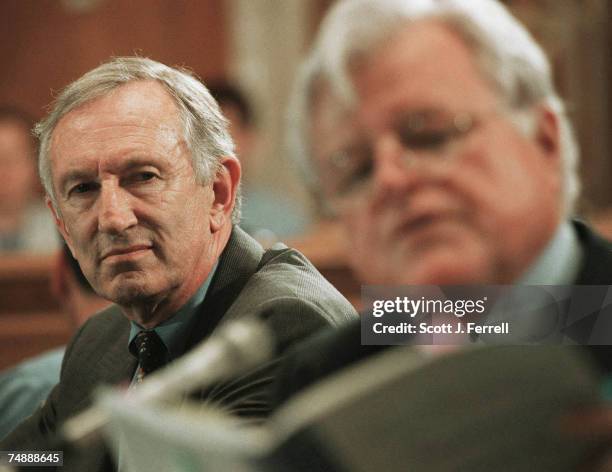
x: 433, y: 131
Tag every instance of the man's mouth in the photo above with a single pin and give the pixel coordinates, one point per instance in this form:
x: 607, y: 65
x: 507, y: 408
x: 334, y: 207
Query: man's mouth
x: 423, y: 220
x: 126, y: 252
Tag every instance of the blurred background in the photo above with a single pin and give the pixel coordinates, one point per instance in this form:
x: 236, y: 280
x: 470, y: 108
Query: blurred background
x: 255, y: 45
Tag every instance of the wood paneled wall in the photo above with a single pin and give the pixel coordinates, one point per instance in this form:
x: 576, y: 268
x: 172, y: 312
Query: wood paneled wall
x: 46, y: 44
x: 30, y: 317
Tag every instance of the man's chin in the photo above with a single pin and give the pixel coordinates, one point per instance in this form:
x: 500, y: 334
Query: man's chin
x: 449, y: 273
x: 129, y: 289
x: 461, y: 264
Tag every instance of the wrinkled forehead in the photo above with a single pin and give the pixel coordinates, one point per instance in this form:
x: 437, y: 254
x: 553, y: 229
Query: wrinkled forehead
x: 138, y: 104
x: 142, y: 99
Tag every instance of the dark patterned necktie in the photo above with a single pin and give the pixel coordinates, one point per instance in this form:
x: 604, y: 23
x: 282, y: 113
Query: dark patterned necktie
x: 150, y: 351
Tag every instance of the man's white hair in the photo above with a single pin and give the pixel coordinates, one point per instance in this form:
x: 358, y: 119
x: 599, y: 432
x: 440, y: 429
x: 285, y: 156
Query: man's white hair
x: 505, y: 52
x: 205, y: 129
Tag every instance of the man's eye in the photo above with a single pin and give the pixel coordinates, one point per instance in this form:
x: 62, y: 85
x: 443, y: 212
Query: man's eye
x: 144, y: 176
x: 361, y: 173
x: 425, y: 140
x: 357, y: 173
x: 83, y: 187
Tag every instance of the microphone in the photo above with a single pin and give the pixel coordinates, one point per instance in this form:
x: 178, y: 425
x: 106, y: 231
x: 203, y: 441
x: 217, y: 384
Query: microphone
x: 233, y: 349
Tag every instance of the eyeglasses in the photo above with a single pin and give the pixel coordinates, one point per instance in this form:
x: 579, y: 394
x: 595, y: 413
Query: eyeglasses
x: 424, y: 134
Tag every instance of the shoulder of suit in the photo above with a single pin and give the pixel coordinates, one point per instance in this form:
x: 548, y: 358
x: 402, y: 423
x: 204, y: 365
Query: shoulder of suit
x: 292, y: 265
x: 281, y: 254
x: 284, y: 274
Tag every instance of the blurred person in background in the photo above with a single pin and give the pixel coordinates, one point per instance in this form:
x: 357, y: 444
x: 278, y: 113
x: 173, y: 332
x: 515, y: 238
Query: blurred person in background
x: 267, y: 214
x: 25, y: 386
x: 435, y: 134
x: 25, y: 225
x: 433, y: 131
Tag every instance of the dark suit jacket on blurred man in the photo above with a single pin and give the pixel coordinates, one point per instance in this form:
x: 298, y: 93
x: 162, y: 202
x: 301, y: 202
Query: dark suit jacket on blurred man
x: 330, y: 351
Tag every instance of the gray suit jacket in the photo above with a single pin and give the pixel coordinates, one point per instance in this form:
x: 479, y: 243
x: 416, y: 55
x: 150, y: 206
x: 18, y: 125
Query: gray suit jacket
x: 278, y: 285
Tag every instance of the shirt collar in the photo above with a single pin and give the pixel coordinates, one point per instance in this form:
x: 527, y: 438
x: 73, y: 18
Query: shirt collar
x: 560, y: 261
x: 173, y: 331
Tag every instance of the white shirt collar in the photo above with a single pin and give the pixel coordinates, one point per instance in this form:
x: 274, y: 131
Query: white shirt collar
x: 559, y: 263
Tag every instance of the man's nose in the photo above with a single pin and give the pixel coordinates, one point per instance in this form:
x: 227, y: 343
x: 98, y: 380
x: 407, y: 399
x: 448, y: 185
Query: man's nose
x: 392, y: 166
x: 115, y: 213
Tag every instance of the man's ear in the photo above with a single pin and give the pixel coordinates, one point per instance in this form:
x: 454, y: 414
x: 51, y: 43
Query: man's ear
x: 547, y: 134
x: 225, y: 186
x: 59, y: 223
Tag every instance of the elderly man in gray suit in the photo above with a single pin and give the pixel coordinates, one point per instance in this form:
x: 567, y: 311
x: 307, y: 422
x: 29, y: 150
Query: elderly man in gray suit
x: 141, y: 177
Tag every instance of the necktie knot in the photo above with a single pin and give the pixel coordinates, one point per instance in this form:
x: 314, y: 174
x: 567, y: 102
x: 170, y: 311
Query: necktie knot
x: 150, y: 351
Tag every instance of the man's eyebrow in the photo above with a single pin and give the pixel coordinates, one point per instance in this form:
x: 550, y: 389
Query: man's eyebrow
x: 127, y: 164
x: 137, y: 161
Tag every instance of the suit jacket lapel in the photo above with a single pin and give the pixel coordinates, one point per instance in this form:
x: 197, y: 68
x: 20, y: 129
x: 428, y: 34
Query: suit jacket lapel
x: 597, y: 265
x: 114, y: 365
x: 596, y: 270
x: 118, y: 362
x: 238, y: 262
